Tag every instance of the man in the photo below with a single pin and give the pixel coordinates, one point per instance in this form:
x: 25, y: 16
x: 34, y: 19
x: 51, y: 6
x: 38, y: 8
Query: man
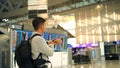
x: 38, y: 43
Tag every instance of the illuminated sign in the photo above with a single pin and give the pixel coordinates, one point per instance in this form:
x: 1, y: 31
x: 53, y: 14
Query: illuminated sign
x: 86, y: 45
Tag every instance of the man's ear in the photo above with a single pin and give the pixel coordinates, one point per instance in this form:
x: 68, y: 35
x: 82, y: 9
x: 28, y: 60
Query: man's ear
x: 42, y: 26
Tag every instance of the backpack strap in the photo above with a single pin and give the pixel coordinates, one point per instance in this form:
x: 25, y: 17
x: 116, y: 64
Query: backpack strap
x: 35, y: 35
x: 40, y: 55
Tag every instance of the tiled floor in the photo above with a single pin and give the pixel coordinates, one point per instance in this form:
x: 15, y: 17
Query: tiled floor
x: 106, y: 64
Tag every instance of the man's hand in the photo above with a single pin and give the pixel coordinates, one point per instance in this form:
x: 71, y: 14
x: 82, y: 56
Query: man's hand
x: 55, y: 41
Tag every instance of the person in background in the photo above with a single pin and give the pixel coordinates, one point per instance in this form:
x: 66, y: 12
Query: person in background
x: 38, y: 43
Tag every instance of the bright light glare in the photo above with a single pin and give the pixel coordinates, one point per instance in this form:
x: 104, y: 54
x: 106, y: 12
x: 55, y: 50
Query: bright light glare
x: 81, y: 39
x: 72, y: 41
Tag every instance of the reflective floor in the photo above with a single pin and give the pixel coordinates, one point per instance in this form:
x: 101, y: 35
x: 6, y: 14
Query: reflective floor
x: 103, y: 64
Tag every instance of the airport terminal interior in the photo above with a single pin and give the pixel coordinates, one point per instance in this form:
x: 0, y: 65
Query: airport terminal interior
x: 89, y: 29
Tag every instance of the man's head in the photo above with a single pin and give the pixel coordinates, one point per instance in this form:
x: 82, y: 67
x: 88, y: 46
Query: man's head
x: 39, y: 24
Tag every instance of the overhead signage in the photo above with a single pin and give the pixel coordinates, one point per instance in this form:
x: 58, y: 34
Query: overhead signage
x: 37, y: 2
x: 37, y: 7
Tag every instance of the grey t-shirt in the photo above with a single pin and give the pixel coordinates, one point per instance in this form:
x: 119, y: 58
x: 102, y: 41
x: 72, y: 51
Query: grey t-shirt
x: 39, y: 45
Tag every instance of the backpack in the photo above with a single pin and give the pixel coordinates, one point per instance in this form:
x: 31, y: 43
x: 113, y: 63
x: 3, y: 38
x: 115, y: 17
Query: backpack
x: 23, y: 54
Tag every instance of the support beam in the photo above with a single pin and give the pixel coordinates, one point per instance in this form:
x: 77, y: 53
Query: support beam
x: 16, y: 12
x: 10, y: 5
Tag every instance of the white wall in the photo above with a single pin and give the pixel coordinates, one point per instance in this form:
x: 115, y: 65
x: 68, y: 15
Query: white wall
x: 59, y: 59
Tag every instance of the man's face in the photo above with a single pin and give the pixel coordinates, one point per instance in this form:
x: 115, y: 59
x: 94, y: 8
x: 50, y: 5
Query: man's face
x: 43, y: 28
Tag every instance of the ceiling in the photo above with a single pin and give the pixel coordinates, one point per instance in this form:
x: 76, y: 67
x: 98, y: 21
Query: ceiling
x: 85, y: 21
x: 102, y: 24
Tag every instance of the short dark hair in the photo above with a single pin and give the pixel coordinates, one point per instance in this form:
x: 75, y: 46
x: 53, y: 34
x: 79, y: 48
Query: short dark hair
x: 37, y: 22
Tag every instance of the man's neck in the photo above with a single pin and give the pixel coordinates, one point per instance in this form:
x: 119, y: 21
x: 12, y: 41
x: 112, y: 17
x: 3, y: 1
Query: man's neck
x: 39, y: 31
